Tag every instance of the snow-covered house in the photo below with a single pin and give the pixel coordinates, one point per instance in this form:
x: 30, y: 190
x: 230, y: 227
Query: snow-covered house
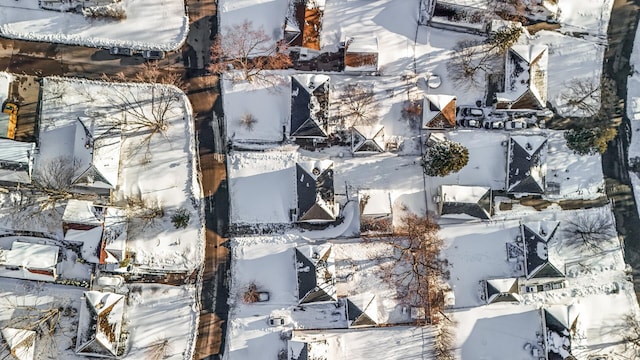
x: 309, y: 107
x: 100, y: 324
x: 361, y: 54
x: 465, y: 201
x: 439, y: 112
x: 97, y: 152
x: 367, y: 139
x: 305, y: 349
x: 559, y: 323
x: 30, y: 261
x: 315, y: 272
x: 539, y: 260
x: 315, y: 193
x: 376, y: 212
x: 99, y: 231
x: 361, y: 315
x: 21, y: 342
x: 526, y: 164
x: 501, y: 290
x: 525, y: 79
x: 16, y: 161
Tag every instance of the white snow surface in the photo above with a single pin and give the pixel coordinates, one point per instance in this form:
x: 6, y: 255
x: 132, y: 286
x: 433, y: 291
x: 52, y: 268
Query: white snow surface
x: 150, y: 24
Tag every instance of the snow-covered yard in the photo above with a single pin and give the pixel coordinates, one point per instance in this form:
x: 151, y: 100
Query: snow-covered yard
x: 149, y: 24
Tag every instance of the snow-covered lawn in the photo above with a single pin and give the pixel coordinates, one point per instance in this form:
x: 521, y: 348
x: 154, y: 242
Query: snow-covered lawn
x: 149, y: 24
x: 268, y: 15
x: 158, y: 169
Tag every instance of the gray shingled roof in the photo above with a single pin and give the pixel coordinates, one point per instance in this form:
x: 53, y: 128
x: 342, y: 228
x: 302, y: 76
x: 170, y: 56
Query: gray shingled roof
x: 526, y: 167
x: 538, y: 263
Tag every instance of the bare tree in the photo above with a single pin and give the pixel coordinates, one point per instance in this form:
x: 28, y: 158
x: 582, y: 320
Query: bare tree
x: 248, y: 121
x: 142, y: 213
x: 444, y: 342
x: 415, y: 269
x: 158, y: 350
x: 151, y: 72
x: 247, y: 49
x: 469, y: 60
x: 590, y: 230
x: 588, y: 96
x: 358, y: 105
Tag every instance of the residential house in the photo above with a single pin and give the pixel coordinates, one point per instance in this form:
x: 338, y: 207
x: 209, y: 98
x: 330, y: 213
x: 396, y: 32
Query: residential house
x: 362, y: 313
x: 302, y: 26
x: 439, y: 112
x: 501, y: 290
x: 315, y: 271
x: 100, y: 324
x: 307, y: 349
x: 376, y: 212
x: 559, y: 324
x: 465, y: 201
x: 525, y: 78
x: 30, y: 261
x: 361, y: 54
x: 309, y: 107
x: 315, y: 193
x: 100, y: 232
x: 526, y: 164
x: 16, y: 161
x: 367, y: 139
x: 21, y: 343
x: 539, y: 260
x: 97, y: 153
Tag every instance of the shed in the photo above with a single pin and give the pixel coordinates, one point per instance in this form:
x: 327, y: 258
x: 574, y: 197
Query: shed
x: 361, y: 54
x: 465, y: 201
x: 501, y: 290
x: 367, y: 139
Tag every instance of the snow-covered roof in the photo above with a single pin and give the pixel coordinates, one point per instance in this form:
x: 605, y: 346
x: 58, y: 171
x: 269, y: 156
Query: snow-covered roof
x: 29, y: 261
x: 114, y: 236
x: 100, y: 324
x: 297, y: 350
x: 525, y: 78
x: 97, y: 150
x: 439, y: 111
x: 315, y: 273
x: 501, y: 290
x: 91, y: 241
x: 16, y: 160
x: 361, y: 311
x: 361, y: 54
x: 375, y: 202
x: 309, y: 105
x: 83, y: 212
x: 367, y: 139
x: 559, y: 323
x: 540, y: 262
x: 474, y: 201
x: 315, y: 192
x: 526, y: 164
x: 21, y: 342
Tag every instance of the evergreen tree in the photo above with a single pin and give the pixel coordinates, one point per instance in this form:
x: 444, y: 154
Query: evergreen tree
x: 502, y: 39
x: 444, y: 158
x: 590, y: 141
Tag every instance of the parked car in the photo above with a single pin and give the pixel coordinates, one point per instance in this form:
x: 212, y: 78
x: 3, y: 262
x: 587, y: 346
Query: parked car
x: 275, y: 321
x: 470, y: 123
x: 493, y: 124
x: 515, y: 124
x: 471, y: 112
x: 153, y: 54
x: 498, y: 116
x: 120, y: 51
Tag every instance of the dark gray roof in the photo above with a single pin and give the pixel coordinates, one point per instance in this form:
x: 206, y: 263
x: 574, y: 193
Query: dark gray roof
x: 306, y: 122
x: 357, y: 317
x: 523, y: 165
x: 311, y: 189
x: 312, y: 285
x: 537, y: 262
x: 502, y: 296
x: 480, y: 210
x: 556, y: 326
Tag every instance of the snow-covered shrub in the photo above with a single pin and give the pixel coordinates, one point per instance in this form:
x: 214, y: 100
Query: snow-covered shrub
x: 113, y: 11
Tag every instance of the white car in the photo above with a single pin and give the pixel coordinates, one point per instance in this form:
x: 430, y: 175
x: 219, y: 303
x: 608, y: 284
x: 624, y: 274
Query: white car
x: 515, y: 124
x: 275, y: 321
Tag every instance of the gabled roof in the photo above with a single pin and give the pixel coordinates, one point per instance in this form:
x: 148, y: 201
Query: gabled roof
x: 439, y: 112
x: 16, y: 161
x: 315, y: 274
x: 297, y: 350
x: 539, y: 261
x: 501, y: 290
x: 525, y: 78
x: 315, y: 193
x: 375, y: 202
x: 100, y: 324
x: 309, y: 106
x: 91, y: 241
x: 21, y: 342
x: 474, y: 201
x: 83, y: 212
x: 559, y: 324
x: 526, y: 164
x: 29, y: 255
x: 97, y: 151
x: 361, y: 54
x: 366, y: 139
